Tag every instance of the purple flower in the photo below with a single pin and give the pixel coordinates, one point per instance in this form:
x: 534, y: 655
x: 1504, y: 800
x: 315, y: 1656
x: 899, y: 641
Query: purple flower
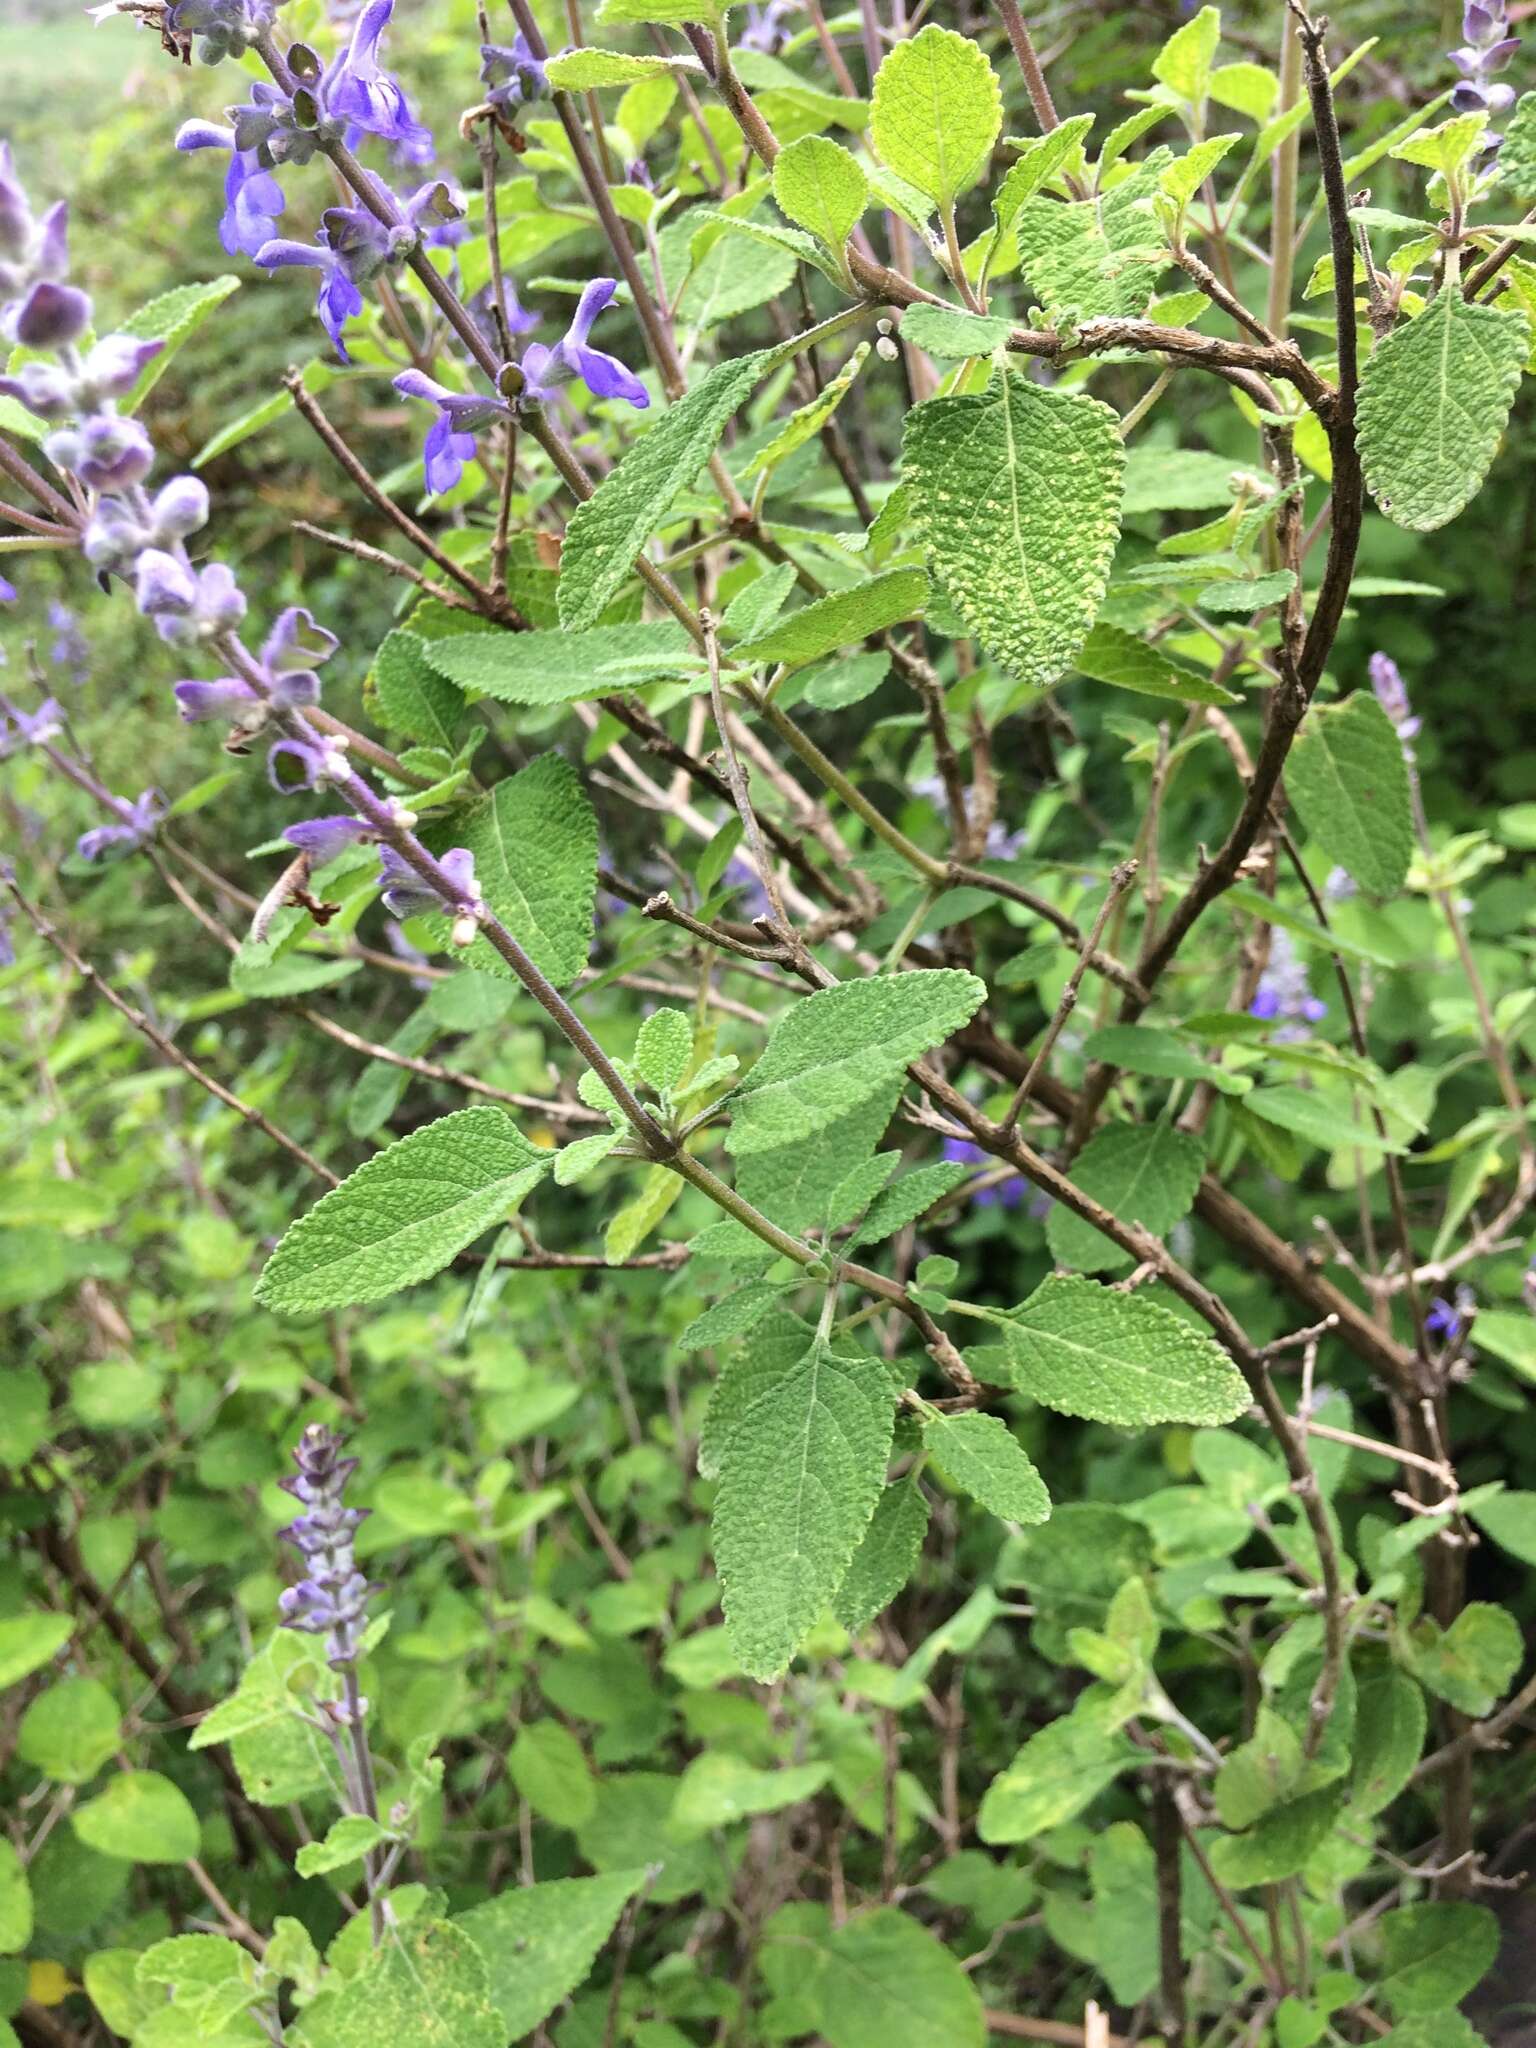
x: 7, y: 592
x: 111, y: 842
x: 331, y: 1598
x: 450, y: 441
x: 765, y: 29
x: 573, y: 356
x: 357, y: 89
x: 1450, y: 1320
x: 46, y: 389
x: 1340, y: 886
x: 52, y: 315
x: 20, y: 728
x: 218, y: 605
x: 409, y: 894
x: 482, y: 311
x: 1392, y: 695
x: 294, y: 765
x: 512, y: 74
x: 1488, y: 48
x: 106, y: 452
x: 352, y: 247
x: 1284, y: 995
x: 1006, y: 1194
x: 226, y: 698
x: 323, y: 839
x: 253, y: 199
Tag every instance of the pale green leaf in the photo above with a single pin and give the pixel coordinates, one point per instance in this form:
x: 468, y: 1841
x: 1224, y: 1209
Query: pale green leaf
x: 1142, y: 1173
x: 173, y: 319
x: 1146, y: 1049
x: 1509, y: 1518
x: 831, y: 622
x: 1446, y: 148
x: 883, y: 1978
x: 665, y: 13
x: 637, y: 1219
x: 1348, y: 781
x: 1246, y: 88
x: 946, y: 332
x: 809, y: 419
x: 540, y: 1940
x: 1434, y: 398
x: 347, y: 1840
x: 1042, y: 159
x: 664, y: 1047
x: 15, y: 1901
x: 734, y: 1316
x: 558, y: 667
x: 70, y: 1731
x: 1280, y: 1842
x: 718, y: 1789
x: 28, y: 1641
x: 801, y: 1473
x: 887, y: 1554
x: 1089, y: 259
x: 1390, y: 1724
x: 428, y: 1985
x: 575, y: 1161
x: 745, y: 264
x: 1052, y: 1778
x: 549, y: 1768
x: 1260, y: 1774
x: 1016, y: 494
x: 141, y: 1818
x: 612, y: 527
x: 1471, y: 1663
x: 1183, y: 179
x: 835, y: 1049
x: 981, y: 1455
x: 584, y: 70
x: 1517, y: 152
x: 820, y: 186
x: 1316, y: 1118
x: 404, y: 1213
x: 1434, y: 1952
x: 1123, y: 1876
x: 534, y: 839
x: 1111, y: 655
x: 935, y: 112
x: 1184, y: 62
x: 909, y: 1198
x: 1085, y: 1350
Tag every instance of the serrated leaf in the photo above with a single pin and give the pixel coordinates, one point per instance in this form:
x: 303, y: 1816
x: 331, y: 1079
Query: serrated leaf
x: 935, y: 112
x: 1052, y: 1778
x: 585, y: 70
x: 1348, y: 782
x: 172, y: 318
x: 946, y: 332
x: 1146, y: 1049
x: 1279, y: 1844
x: 828, y: 623
x: 1016, y: 495
x: 141, y: 1817
x: 981, y: 1455
x: 809, y: 419
x: 1094, y: 259
x: 1183, y: 178
x: 775, y: 1345
x: 534, y: 839
x: 837, y: 1048
x: 559, y: 667
x: 1111, y: 655
x: 1434, y: 398
x: 1470, y: 1663
x: 1042, y: 158
x: 819, y: 185
x: 1261, y: 1773
x: 575, y: 1161
x: 1433, y: 1954
x: 1444, y: 148
x: 345, y: 1841
x: 611, y: 528
x: 734, y: 1316
x: 1517, y: 152
x: 429, y: 1984
x: 414, y: 697
x: 1184, y: 62
x: 1315, y: 1118
x: 746, y: 264
x: 539, y: 1941
x: 801, y: 1473
x: 1142, y: 1173
x: 887, y: 1554
x: 404, y: 1213
x: 1085, y: 1350
x: 664, y: 1047
x: 635, y: 1222
x: 1244, y: 594
x: 911, y: 1197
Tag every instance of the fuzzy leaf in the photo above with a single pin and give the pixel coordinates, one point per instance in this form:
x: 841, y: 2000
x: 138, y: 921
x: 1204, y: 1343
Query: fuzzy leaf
x: 1434, y: 399
x: 558, y: 667
x: 734, y: 1316
x: 1142, y: 1173
x: 946, y: 332
x: 1084, y: 1350
x: 429, y: 1985
x: 935, y: 112
x: 1470, y: 1663
x: 1111, y: 655
x: 981, y: 1455
x: 140, y: 1817
x: 540, y: 1940
x: 915, y: 1192
x: 1433, y: 1953
x: 583, y: 70
x: 801, y: 1473
x: 610, y: 529
x: 413, y: 695
x: 1052, y: 1778
x: 664, y: 1046
x: 1016, y: 494
x: 809, y: 419
x: 887, y: 1554
x: 173, y: 318
x: 820, y: 186
x: 404, y: 1213
x: 534, y: 839
x: 1040, y: 162
x: 834, y: 1050
x: 1184, y: 62
x: 1279, y: 1844
x: 1348, y: 780
x: 847, y: 615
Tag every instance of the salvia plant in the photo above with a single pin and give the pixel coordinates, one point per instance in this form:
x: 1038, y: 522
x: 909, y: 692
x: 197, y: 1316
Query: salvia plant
x: 873, y: 1084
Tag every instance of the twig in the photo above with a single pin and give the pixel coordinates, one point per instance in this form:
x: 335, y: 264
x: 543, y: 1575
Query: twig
x: 1120, y: 880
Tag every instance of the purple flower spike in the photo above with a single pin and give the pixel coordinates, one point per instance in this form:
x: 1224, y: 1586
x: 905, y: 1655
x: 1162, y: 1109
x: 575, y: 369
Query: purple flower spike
x: 450, y: 441
x: 1006, y: 1195
x: 20, y: 728
x: 218, y: 604
x: 409, y: 894
x: 163, y: 585
x: 294, y: 765
x: 296, y: 642
x: 511, y: 74
x: 52, y: 315
x: 43, y: 388
x: 104, y: 451
x: 332, y: 1597
x: 1487, y: 49
x: 1284, y: 996
x: 339, y: 299
x: 1392, y: 695
x: 115, y: 365
x: 228, y: 698
x: 112, y: 842
x: 323, y: 839
x: 573, y: 356
x: 358, y: 89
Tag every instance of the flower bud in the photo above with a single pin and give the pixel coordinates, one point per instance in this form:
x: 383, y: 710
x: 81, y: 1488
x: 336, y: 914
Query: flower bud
x: 15, y: 213
x: 180, y: 508
x: 164, y: 587
x: 52, y: 315
x: 43, y: 388
x: 226, y: 698
x: 106, y: 452
x: 113, y: 536
x: 116, y: 363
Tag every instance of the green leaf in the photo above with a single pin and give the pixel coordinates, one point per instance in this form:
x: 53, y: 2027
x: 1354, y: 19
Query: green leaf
x: 887, y: 1554
x: 1184, y: 62
x: 404, y: 1213
x: 1472, y: 1662
x: 1390, y: 1723
x: 28, y: 1641
x: 1111, y: 655
x: 717, y: 1790
x: 142, y: 1818
x: 173, y: 318
x: 1517, y: 153
x: 637, y: 1219
x: 819, y: 185
x: 1246, y: 594
x: 935, y: 112
x: 429, y: 1985
x: 1043, y: 157
x: 1146, y: 1049
x: 803, y: 425
x: 347, y: 1840
x: 256, y: 973
x: 1183, y: 179
x: 745, y: 264
x: 1096, y: 259
x: 315, y: 378
x: 559, y: 667
x: 1085, y: 1350
x: 734, y: 1316
x: 981, y: 1455
x: 1052, y: 1778
x: 946, y: 332
x: 1315, y: 1118
x: 884, y: 1977
x: 835, y: 1049
x: 909, y: 1198
x: 540, y: 1940
x: 831, y: 622
x: 1142, y: 1173
x: 534, y: 839
x: 1279, y: 1844
x: 413, y: 695
x: 1348, y: 780
x: 666, y: 13
x: 801, y: 1473
x: 1442, y: 2030
x: 584, y: 70
x: 1261, y: 1773
x: 1434, y: 398
x: 70, y: 1730
x: 664, y: 1047
x: 548, y: 1766
x: 615, y: 523
x: 1509, y: 1518
x: 1434, y: 1953
x: 1123, y: 1875
x: 15, y: 1901
x: 1016, y: 495
x: 1445, y: 148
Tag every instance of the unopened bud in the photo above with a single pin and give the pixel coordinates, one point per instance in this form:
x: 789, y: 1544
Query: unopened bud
x: 466, y: 928
x: 886, y: 349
